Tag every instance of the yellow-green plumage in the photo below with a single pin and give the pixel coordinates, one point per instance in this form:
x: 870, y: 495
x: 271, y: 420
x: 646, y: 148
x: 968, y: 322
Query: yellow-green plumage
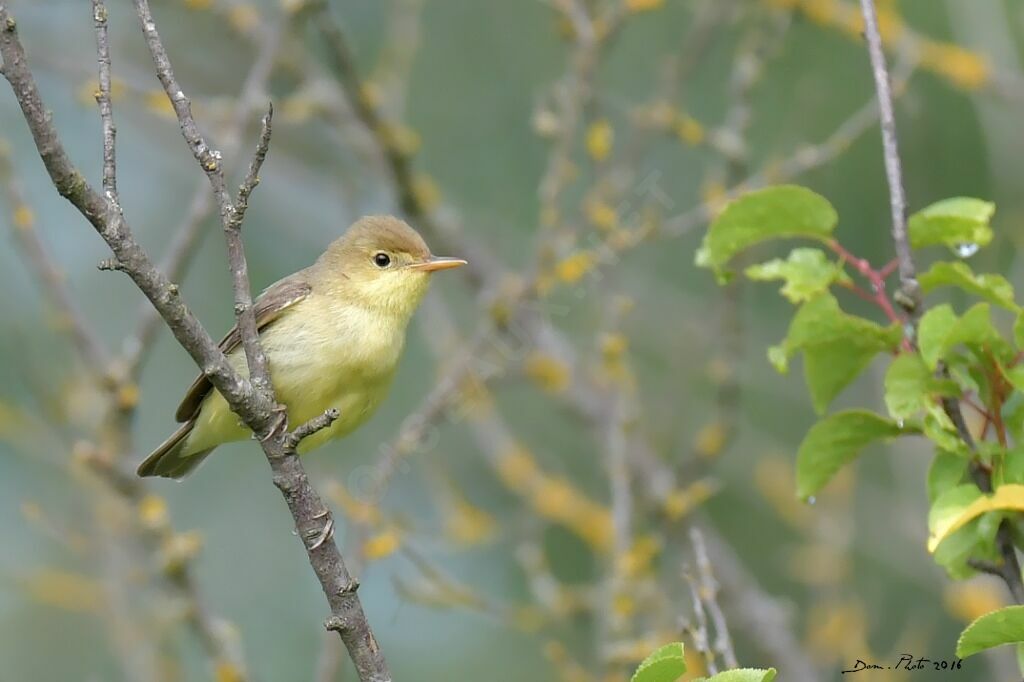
x: 333, y: 334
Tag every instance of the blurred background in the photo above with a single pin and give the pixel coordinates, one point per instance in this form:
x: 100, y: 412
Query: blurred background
x: 520, y: 508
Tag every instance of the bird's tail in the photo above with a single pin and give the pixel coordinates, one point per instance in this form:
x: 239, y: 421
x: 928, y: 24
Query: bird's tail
x: 169, y: 459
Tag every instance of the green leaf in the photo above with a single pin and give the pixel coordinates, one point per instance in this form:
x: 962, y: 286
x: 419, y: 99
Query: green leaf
x: 993, y: 288
x: 779, y: 358
x: 1013, y: 418
x: 1010, y: 467
x: 836, y: 440
x: 932, y: 330
x: 837, y: 347
x: 940, y: 330
x: 939, y: 429
x: 1003, y: 626
x: 806, y: 273
x: 1015, y: 375
x: 961, y: 505
x: 947, y: 509
x: 1018, y: 332
x: 771, y: 213
x: 910, y: 387
x: 971, y: 540
x: 946, y: 472
x: 742, y: 675
x: 667, y: 664
x: 952, y: 222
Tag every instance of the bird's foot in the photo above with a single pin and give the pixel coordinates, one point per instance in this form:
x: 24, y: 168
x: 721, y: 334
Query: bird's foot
x: 325, y: 533
x: 280, y: 424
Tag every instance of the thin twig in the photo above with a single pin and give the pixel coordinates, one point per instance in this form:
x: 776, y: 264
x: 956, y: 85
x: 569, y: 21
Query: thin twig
x: 766, y: 620
x: 156, y: 534
x: 256, y: 358
x: 110, y: 223
x: 910, y: 292
x: 909, y: 295
x: 698, y: 630
x: 99, y: 16
x: 210, y: 161
x: 73, y: 321
x: 482, y: 264
x: 252, y: 177
x: 709, y: 594
x: 312, y: 426
x: 188, y: 235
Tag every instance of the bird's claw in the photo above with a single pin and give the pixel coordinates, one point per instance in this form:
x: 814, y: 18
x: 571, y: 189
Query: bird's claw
x: 280, y: 423
x: 326, y: 533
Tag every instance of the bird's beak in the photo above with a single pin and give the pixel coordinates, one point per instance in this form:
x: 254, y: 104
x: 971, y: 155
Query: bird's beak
x: 435, y: 263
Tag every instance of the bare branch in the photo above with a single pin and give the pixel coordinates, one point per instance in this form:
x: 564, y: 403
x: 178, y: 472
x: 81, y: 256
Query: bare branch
x: 252, y: 178
x: 482, y: 264
x: 188, y: 235
x: 910, y: 291
x: 309, y: 428
x: 909, y: 295
x: 210, y: 161
x: 73, y: 321
x: 259, y: 368
x: 256, y: 407
x: 313, y: 519
x: 156, y: 534
x: 766, y: 621
x: 709, y: 594
x: 110, y: 224
x: 99, y: 16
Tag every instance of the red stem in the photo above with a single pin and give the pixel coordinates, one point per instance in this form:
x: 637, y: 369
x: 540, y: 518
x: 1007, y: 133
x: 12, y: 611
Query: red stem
x: 998, y: 397
x: 860, y: 292
x: 889, y: 268
x: 877, y: 280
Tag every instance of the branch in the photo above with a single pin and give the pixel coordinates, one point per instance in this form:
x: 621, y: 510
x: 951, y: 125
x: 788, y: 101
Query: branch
x: 255, y: 407
x: 309, y: 428
x: 482, y: 263
x: 767, y: 621
x: 99, y: 16
x: 188, y: 235
x: 210, y: 161
x: 313, y: 519
x: 708, y: 588
x: 83, y: 337
x: 109, y: 222
x: 157, y: 534
x: 909, y: 295
x: 910, y: 292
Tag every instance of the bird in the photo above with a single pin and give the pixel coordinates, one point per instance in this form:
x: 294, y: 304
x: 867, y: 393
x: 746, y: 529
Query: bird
x: 333, y: 334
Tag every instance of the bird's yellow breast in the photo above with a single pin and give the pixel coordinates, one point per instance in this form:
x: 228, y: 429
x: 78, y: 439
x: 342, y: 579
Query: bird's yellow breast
x: 343, y: 357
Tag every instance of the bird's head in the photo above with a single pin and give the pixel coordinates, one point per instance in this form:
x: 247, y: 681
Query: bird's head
x: 384, y: 264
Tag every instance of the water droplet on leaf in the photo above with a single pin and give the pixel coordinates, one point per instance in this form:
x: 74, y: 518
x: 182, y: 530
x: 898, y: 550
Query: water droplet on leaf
x: 966, y: 249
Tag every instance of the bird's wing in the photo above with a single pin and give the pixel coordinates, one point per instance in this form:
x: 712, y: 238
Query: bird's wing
x: 268, y: 307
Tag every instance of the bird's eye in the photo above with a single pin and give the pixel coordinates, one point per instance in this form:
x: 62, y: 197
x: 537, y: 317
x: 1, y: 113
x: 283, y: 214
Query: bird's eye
x: 382, y: 260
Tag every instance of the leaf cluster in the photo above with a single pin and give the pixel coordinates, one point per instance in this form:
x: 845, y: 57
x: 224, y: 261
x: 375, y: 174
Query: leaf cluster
x: 971, y: 357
